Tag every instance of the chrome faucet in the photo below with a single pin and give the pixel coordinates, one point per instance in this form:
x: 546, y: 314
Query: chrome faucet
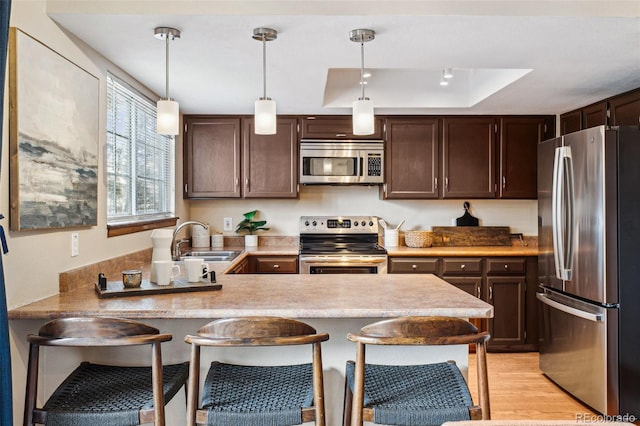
x: 175, y: 246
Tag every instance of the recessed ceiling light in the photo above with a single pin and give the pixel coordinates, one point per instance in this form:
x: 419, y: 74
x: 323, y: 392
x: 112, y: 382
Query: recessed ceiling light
x: 447, y: 73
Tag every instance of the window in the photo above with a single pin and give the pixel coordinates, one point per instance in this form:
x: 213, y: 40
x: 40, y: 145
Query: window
x: 140, y: 162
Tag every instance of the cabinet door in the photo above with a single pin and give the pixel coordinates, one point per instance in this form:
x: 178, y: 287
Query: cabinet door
x: 413, y: 265
x: 334, y: 127
x: 594, y: 115
x: 570, y: 122
x: 469, y: 157
x: 462, y: 266
x: 411, y: 158
x: 270, y: 161
x: 241, y: 268
x: 625, y: 109
x: 212, y: 157
x: 519, y: 138
x: 473, y: 286
x: 507, y: 295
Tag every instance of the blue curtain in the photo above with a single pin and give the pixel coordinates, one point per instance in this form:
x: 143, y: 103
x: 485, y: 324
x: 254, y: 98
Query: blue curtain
x: 6, y: 399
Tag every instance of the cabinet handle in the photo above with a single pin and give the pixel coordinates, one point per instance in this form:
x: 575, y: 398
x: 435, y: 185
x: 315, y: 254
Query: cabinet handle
x: 463, y: 266
x: 246, y: 183
x: 414, y: 267
x: 237, y: 183
x: 446, y: 183
x: 276, y: 266
x: 478, y: 292
x: 435, y: 186
x: 341, y: 135
x: 504, y: 182
x: 491, y: 293
x: 506, y: 267
x: 185, y: 188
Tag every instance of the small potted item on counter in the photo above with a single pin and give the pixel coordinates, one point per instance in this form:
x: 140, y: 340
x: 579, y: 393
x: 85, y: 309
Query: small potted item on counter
x: 251, y: 226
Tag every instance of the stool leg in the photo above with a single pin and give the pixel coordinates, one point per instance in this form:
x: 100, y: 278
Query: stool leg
x: 194, y: 385
x: 156, y: 378
x: 348, y: 400
x: 318, y: 384
x: 31, y: 393
x: 358, y: 387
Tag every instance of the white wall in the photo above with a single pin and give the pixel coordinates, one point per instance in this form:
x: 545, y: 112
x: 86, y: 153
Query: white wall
x: 282, y: 216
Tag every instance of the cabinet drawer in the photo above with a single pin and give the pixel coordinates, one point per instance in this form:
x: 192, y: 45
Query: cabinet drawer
x: 506, y: 265
x: 413, y: 265
x: 277, y: 265
x: 462, y: 266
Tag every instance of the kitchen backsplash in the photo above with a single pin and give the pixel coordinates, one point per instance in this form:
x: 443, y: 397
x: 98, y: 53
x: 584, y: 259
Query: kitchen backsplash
x: 282, y: 216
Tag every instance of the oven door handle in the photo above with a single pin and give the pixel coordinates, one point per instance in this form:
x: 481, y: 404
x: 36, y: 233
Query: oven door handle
x: 355, y: 260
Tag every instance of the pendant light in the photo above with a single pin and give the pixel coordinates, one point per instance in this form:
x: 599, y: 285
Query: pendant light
x: 265, y: 108
x: 363, y: 122
x: 168, y: 117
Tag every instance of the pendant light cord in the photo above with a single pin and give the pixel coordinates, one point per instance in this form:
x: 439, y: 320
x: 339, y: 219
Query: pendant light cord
x: 166, y: 55
x: 264, y: 67
x: 362, y: 69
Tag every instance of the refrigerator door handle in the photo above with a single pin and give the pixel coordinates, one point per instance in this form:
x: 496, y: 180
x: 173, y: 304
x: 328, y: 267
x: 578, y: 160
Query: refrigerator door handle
x: 568, y: 309
x: 562, y: 201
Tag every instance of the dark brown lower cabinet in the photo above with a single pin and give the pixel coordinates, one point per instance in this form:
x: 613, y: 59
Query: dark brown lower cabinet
x: 508, y: 283
x: 267, y: 265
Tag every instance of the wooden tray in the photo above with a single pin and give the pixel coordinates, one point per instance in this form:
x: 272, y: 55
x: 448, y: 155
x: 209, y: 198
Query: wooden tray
x: 179, y: 285
x: 467, y: 236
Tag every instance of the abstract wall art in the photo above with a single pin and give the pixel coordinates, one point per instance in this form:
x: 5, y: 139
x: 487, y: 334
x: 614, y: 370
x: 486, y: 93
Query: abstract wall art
x: 53, y: 138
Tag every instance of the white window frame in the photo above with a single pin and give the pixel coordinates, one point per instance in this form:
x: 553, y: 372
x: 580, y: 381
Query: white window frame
x: 131, y: 122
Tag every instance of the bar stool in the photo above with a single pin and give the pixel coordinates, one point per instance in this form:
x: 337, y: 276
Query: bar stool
x: 427, y: 394
x: 257, y: 395
x: 95, y: 393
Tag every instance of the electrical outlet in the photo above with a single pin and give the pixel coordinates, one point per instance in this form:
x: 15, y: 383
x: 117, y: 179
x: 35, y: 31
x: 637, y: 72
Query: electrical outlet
x: 75, y: 241
x: 228, y: 224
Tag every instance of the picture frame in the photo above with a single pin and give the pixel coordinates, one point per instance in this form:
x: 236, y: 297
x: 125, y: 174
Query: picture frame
x: 53, y: 138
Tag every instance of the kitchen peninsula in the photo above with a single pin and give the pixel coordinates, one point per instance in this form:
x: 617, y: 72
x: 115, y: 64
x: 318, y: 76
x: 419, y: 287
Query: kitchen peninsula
x: 336, y: 304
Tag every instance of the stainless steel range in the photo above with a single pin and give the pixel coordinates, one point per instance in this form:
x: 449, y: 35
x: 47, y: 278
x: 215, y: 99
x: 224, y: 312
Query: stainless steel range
x: 341, y: 245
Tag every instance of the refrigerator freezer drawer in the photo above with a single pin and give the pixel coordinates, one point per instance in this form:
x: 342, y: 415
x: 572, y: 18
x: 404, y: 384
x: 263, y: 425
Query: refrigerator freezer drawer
x: 573, y: 348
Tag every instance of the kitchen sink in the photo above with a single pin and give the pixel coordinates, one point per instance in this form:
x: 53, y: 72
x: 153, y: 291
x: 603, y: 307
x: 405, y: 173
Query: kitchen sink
x: 212, y: 255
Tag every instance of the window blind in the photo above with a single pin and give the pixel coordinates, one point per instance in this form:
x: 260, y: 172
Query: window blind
x: 140, y: 163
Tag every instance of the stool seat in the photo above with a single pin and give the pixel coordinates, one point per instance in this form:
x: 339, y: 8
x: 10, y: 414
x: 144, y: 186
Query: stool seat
x: 428, y: 394
x: 115, y: 395
x: 268, y: 395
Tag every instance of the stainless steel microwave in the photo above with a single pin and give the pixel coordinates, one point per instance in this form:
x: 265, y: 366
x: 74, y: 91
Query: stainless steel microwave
x: 341, y: 162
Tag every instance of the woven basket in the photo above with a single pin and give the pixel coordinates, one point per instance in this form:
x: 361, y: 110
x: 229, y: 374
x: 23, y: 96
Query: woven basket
x: 418, y: 239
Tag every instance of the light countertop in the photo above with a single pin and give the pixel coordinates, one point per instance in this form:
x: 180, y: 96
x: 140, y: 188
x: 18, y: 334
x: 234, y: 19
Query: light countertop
x: 290, y: 295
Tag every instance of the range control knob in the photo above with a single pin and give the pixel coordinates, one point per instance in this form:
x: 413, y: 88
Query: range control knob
x: 306, y: 223
x: 355, y: 223
x: 363, y: 223
x: 370, y: 223
x: 314, y: 223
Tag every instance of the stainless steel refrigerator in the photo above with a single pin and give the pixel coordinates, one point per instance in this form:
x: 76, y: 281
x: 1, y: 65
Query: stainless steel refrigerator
x: 589, y: 266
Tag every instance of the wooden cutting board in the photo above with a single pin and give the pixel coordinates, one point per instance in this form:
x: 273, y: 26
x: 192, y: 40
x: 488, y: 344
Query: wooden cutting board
x: 467, y: 236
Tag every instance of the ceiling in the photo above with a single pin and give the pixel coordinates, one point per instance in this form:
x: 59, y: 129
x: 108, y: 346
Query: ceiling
x: 508, y: 57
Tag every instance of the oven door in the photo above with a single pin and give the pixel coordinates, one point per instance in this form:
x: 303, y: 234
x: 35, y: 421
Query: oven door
x: 336, y: 264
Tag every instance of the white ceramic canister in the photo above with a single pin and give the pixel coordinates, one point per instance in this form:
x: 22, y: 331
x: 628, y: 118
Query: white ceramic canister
x: 217, y: 240
x: 199, y: 236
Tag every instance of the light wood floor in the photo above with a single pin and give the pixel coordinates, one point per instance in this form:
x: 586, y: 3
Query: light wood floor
x: 519, y: 390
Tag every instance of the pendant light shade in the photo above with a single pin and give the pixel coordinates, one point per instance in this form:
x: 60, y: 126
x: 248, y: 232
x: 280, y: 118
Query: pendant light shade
x: 167, y: 110
x: 168, y: 122
x: 363, y: 116
x: 264, y: 118
x: 363, y: 122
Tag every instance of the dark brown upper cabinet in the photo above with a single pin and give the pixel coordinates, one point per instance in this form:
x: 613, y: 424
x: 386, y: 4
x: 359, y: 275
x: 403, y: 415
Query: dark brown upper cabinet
x: 469, y: 155
x: 625, y: 109
x: 571, y: 122
x: 223, y: 158
x: 334, y: 127
x: 211, y: 157
x: 412, y: 158
x: 594, y: 115
x: 270, y: 162
x: 519, y: 138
